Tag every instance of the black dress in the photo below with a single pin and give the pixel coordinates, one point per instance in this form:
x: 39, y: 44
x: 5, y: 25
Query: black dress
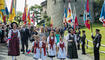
x: 72, y: 50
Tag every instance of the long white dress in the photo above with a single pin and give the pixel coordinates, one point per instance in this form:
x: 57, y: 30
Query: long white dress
x: 43, y: 56
x: 61, y: 53
x: 37, y: 54
x: 51, y: 51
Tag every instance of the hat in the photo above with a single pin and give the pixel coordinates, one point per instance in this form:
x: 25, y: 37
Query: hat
x: 98, y: 30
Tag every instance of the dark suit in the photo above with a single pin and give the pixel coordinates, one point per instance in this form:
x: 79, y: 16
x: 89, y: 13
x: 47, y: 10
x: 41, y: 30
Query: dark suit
x: 78, y: 39
x: 83, y: 43
x: 96, y: 40
x: 24, y: 38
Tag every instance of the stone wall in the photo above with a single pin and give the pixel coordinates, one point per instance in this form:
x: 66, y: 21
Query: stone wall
x: 56, y: 10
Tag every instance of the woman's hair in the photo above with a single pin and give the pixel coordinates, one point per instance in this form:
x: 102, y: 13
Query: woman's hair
x: 36, y: 37
x: 13, y: 23
x: 51, y: 33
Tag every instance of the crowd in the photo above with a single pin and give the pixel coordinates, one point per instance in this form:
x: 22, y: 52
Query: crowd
x: 47, y: 41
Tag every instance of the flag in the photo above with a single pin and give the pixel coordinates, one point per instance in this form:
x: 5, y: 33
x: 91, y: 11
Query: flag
x: 51, y: 22
x: 32, y: 19
x: 102, y: 16
x: 12, y: 10
x: 86, y: 16
x: 6, y: 10
x: 24, y: 17
x: 28, y: 51
x: 75, y: 19
x: 2, y: 4
x: 69, y: 14
x: 29, y: 21
x: 65, y: 15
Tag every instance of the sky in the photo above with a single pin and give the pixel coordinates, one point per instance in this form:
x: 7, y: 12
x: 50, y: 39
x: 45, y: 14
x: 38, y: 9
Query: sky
x: 21, y: 3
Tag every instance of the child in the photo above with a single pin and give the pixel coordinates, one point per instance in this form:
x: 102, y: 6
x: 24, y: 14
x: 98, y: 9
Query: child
x: 43, y: 48
x: 36, y: 47
x: 51, y: 40
x: 61, y: 49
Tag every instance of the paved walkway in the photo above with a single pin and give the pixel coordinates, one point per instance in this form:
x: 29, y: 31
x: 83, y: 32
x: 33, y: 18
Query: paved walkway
x: 4, y: 56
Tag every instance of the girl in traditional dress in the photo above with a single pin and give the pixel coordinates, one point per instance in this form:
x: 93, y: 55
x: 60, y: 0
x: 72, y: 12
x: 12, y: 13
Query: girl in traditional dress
x: 51, y: 40
x: 57, y: 35
x: 13, y: 45
x: 72, y: 50
x: 61, y: 49
x: 43, y: 48
x: 36, y: 47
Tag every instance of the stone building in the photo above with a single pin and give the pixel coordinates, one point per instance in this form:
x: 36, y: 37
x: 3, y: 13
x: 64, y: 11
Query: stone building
x: 55, y: 9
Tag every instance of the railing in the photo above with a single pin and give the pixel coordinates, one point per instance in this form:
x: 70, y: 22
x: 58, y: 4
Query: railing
x: 102, y: 45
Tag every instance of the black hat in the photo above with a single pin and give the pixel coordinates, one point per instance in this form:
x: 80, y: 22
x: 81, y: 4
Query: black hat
x: 13, y: 23
x: 83, y: 31
x: 98, y: 30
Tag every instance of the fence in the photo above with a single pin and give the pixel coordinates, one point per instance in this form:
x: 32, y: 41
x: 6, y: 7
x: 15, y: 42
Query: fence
x: 102, y: 45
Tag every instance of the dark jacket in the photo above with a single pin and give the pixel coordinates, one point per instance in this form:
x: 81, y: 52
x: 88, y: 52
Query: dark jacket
x: 97, y: 39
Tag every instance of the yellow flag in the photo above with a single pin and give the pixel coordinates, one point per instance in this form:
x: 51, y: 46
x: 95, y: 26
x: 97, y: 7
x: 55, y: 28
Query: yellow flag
x: 2, y: 4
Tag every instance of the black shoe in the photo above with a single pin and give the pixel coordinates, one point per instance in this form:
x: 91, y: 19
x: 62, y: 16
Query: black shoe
x: 23, y: 53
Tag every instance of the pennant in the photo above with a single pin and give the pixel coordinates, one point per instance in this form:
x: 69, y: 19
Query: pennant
x: 102, y: 16
x: 29, y: 21
x: 65, y: 15
x: 51, y: 22
x: 12, y: 10
x: 69, y: 14
x: 87, y: 16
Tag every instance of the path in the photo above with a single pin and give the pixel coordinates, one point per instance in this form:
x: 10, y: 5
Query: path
x: 4, y: 56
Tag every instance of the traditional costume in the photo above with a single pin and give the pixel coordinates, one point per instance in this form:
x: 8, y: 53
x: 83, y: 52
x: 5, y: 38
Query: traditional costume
x: 13, y: 46
x: 72, y: 50
x: 36, y: 46
x: 51, y: 46
x: 43, y: 51
x: 62, y: 51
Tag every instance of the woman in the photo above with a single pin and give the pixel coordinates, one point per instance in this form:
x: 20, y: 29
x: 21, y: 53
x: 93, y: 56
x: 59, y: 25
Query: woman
x: 14, y: 37
x: 57, y: 35
x: 51, y: 40
x: 72, y: 51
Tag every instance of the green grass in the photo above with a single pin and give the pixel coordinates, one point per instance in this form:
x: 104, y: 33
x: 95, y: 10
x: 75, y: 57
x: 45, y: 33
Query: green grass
x: 88, y: 36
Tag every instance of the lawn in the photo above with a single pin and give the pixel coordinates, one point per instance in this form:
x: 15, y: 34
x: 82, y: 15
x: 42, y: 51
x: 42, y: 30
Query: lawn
x: 88, y: 36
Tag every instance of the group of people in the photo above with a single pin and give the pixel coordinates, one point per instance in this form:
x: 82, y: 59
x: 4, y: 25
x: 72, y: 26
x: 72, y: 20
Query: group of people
x: 49, y: 42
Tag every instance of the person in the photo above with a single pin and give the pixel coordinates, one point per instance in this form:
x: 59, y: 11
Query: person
x: 83, y: 42
x: 97, y: 44
x: 46, y: 31
x: 72, y: 50
x: 61, y: 49
x: 3, y: 34
x: 24, y: 38
x: 13, y: 45
x: 36, y: 47
x: 42, y: 33
x: 43, y: 48
x: 51, y: 42
x: 78, y: 38
x: 57, y: 35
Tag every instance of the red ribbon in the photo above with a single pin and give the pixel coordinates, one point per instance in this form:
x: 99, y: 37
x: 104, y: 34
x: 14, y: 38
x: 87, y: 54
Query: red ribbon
x: 44, y: 47
x: 51, y: 42
x: 36, y: 45
x: 62, y: 45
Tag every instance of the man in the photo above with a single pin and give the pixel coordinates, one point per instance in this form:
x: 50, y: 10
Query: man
x: 24, y: 38
x: 83, y: 42
x: 97, y: 43
x: 78, y: 38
